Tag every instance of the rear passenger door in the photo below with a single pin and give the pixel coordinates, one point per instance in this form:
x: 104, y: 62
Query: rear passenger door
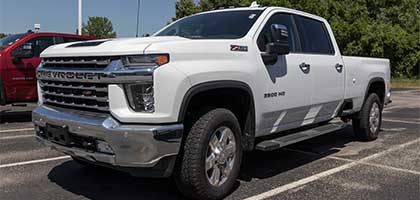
x: 325, y: 66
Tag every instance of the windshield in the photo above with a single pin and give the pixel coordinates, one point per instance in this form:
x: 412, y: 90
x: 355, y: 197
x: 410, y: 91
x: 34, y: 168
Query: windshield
x: 215, y: 25
x: 9, y: 40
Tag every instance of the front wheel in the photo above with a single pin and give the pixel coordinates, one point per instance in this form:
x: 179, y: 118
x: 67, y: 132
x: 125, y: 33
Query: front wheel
x: 366, y: 127
x: 211, y: 157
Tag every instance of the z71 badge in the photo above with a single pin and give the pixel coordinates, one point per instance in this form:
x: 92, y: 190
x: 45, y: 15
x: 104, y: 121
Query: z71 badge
x: 238, y: 48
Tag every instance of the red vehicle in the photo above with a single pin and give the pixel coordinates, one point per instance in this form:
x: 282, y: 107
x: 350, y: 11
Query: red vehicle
x: 19, y: 58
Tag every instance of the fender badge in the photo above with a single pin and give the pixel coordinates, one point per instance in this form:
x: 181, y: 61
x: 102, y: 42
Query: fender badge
x: 238, y: 48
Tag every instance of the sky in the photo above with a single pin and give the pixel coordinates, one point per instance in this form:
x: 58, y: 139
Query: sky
x: 18, y: 16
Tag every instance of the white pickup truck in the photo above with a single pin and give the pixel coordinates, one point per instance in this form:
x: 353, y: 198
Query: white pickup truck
x: 189, y: 100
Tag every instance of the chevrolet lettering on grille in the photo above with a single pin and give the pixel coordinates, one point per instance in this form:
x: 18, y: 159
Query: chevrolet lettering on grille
x: 68, y: 75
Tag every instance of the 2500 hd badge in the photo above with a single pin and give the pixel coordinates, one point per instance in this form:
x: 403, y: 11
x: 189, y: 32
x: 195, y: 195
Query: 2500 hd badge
x: 274, y: 94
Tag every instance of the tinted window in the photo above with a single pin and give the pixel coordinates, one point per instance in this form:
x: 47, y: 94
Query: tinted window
x: 11, y: 39
x: 266, y: 37
x: 39, y: 44
x: 215, y: 25
x: 59, y: 40
x: 313, y: 36
x: 70, y: 39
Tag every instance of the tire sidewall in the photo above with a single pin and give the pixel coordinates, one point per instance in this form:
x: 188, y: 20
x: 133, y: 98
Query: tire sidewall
x: 216, y: 123
x: 372, y: 98
x: 190, y: 175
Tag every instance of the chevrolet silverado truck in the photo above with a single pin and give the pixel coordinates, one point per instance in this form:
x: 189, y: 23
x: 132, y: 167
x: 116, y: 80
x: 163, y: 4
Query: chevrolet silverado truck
x: 189, y: 100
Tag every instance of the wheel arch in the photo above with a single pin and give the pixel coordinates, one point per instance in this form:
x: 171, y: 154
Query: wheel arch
x: 247, y: 124
x: 376, y: 85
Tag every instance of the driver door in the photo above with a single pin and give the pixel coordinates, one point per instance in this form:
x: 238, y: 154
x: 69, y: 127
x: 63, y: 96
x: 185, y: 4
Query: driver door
x: 22, y: 71
x: 285, y: 89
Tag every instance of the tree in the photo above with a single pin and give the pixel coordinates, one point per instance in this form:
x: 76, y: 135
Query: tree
x: 2, y: 35
x: 185, y: 8
x: 100, y: 27
x: 376, y: 28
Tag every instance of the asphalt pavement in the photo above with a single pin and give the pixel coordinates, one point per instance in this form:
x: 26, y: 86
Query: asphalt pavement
x: 333, y: 166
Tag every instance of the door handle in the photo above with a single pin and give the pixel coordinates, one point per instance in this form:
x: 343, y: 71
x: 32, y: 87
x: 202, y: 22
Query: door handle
x: 339, y: 67
x: 305, y: 67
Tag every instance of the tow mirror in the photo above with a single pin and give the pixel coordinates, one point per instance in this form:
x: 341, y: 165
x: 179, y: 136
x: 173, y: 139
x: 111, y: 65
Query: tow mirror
x: 279, y: 45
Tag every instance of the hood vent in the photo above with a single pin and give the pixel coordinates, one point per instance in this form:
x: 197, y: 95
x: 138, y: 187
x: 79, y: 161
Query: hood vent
x: 87, y: 44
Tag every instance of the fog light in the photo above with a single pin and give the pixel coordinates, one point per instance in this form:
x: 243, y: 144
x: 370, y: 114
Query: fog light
x: 103, y: 147
x: 141, y: 97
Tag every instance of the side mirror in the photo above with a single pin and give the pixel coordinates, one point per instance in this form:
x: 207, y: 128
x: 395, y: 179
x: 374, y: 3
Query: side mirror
x: 280, y: 45
x: 23, y: 51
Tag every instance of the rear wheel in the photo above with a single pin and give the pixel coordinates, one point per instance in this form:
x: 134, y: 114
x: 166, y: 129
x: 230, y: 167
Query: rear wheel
x: 366, y: 126
x: 212, y: 153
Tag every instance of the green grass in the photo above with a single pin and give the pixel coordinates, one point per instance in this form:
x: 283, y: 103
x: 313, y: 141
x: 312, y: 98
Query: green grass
x: 405, y: 83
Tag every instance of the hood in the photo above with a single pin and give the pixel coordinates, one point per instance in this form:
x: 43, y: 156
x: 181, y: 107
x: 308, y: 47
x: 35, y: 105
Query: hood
x: 107, y: 47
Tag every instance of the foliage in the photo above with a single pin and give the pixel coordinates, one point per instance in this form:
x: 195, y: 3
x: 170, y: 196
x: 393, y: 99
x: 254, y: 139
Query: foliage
x: 2, y: 35
x: 373, y: 28
x: 100, y: 27
x: 185, y: 8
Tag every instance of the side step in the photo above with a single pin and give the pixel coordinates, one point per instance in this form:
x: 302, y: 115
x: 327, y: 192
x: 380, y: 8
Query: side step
x: 280, y: 142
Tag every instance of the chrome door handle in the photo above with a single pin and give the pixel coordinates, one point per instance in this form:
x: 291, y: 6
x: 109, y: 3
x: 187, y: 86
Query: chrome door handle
x: 305, y: 67
x: 339, y: 67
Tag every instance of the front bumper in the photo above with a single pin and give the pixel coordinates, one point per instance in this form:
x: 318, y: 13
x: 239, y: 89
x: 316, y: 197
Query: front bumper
x: 132, y: 145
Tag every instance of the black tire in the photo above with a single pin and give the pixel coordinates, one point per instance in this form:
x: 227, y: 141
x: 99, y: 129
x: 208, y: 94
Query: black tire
x: 361, y: 124
x: 2, y: 94
x: 190, y: 174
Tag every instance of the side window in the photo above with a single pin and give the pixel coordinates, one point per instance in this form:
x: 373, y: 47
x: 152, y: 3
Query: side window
x: 59, y: 40
x: 265, y: 36
x: 314, y: 36
x: 69, y: 39
x: 39, y: 44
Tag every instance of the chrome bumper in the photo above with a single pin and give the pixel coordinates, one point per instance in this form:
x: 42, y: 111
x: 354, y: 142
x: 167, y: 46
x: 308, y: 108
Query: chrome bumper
x: 133, y: 145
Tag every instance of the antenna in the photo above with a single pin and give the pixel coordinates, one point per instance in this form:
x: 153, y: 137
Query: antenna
x: 138, y: 16
x: 254, y: 4
x: 79, y: 23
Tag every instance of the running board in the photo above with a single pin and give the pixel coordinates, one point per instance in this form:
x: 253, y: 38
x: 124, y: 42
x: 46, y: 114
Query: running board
x: 280, y: 142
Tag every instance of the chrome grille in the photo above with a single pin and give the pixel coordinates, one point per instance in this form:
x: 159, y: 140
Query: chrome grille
x: 99, y: 62
x: 78, y: 95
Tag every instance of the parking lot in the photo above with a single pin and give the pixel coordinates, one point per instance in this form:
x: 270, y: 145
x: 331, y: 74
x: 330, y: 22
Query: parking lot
x: 334, y: 166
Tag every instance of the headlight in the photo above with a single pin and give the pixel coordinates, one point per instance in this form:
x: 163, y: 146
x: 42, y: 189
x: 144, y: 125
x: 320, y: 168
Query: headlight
x: 140, y: 97
x: 145, y: 60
